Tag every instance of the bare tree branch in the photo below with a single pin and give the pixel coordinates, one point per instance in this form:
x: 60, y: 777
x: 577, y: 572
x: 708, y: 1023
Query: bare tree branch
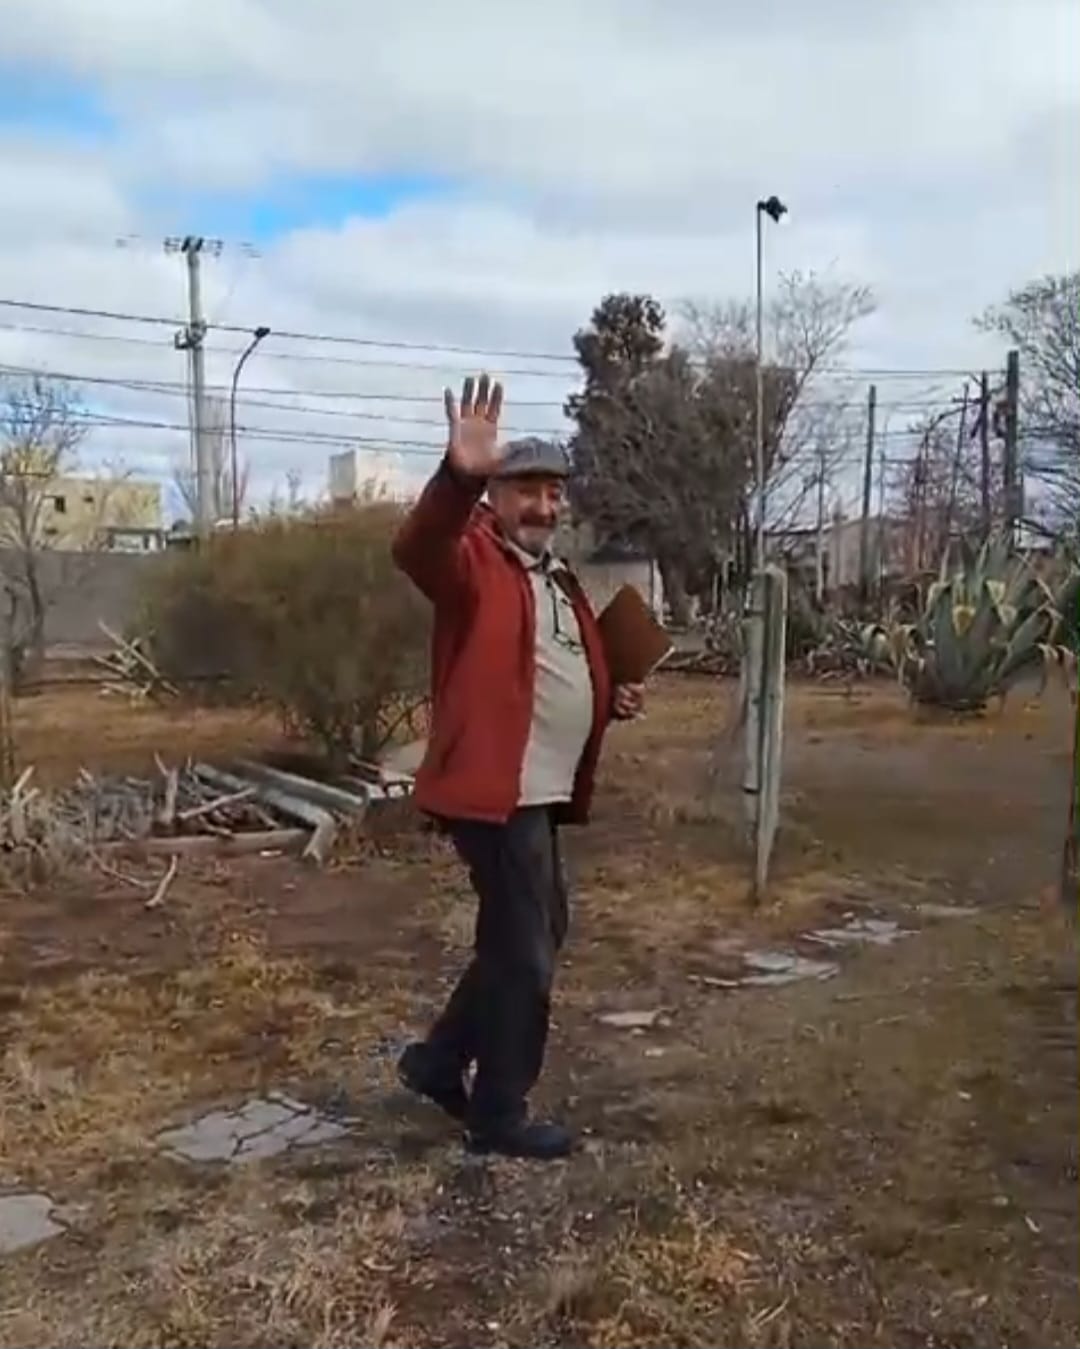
x: 1042, y: 320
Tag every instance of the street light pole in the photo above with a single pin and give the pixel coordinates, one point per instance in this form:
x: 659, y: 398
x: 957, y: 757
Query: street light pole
x: 774, y: 208
x: 256, y: 337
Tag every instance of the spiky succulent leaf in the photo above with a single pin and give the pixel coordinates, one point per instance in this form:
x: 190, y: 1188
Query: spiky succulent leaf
x: 985, y: 625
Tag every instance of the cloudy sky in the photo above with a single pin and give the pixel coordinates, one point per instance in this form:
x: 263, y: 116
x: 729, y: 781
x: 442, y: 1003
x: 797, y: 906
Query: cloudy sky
x: 478, y: 175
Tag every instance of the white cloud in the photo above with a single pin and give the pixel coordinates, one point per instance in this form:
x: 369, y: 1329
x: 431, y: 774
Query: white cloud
x: 925, y: 148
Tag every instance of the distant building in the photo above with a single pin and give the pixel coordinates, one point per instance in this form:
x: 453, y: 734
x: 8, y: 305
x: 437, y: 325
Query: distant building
x: 606, y: 566
x: 343, y: 477
x: 889, y: 551
x: 101, y: 515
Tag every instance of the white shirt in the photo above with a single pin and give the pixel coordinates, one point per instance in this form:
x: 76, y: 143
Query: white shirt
x: 563, y: 693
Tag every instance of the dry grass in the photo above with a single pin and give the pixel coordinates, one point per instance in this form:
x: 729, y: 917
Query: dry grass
x: 880, y: 1160
x: 95, y: 1068
x: 62, y: 730
x: 663, y: 1287
x: 92, y: 1068
x: 251, y: 1265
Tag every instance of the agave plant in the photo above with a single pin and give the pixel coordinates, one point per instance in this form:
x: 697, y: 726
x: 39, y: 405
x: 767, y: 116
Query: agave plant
x: 986, y: 624
x: 1067, y: 603
x: 854, y: 650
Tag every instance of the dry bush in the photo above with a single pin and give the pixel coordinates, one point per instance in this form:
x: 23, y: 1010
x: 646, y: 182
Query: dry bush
x: 306, y: 613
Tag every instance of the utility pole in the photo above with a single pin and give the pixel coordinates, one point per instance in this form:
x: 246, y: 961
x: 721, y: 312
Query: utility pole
x: 868, y: 483
x: 885, y: 534
x: 192, y: 341
x: 921, y: 469
x: 984, y: 454
x: 1010, y: 463
x: 819, y: 577
x: 954, y: 476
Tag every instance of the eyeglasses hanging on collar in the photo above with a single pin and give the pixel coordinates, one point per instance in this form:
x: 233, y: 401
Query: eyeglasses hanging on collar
x: 564, y: 627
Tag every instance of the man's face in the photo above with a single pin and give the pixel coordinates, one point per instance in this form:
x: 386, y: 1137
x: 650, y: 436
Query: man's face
x: 528, y: 509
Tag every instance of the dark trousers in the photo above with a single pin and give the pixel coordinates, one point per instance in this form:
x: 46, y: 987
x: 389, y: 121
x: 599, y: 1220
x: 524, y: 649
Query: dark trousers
x: 498, y: 1014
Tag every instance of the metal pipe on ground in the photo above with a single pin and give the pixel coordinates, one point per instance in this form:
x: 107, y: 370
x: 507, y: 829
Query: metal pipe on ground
x: 321, y: 793
x: 324, y: 828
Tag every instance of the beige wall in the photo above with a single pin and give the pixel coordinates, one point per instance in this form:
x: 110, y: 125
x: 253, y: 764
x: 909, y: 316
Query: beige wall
x: 76, y: 511
x: 575, y: 542
x: 602, y: 579
x: 842, y: 542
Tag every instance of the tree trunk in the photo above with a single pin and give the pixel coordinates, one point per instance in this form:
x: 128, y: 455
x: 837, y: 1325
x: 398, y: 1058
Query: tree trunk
x: 1070, y: 867
x: 674, y: 580
x: 33, y: 654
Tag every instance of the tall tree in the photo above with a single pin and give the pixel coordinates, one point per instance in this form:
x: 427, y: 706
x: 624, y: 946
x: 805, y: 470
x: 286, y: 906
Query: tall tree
x: 807, y: 324
x: 664, y: 449
x: 649, y: 464
x: 1042, y: 321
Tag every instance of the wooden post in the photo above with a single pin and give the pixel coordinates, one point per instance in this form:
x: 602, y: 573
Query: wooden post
x: 984, y: 453
x: 819, y: 560
x: 868, y: 482
x: 1010, y: 462
x: 764, y: 695
x: 1070, y: 866
x: 954, y: 477
x: 7, y: 720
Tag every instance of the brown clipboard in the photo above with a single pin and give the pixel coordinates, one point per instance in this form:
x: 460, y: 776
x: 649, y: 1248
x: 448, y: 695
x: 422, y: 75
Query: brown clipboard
x: 634, y: 642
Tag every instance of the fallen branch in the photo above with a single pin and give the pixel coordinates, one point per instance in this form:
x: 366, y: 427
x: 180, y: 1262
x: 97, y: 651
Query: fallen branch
x: 208, y: 807
x: 130, y: 652
x: 210, y: 845
x: 158, y: 897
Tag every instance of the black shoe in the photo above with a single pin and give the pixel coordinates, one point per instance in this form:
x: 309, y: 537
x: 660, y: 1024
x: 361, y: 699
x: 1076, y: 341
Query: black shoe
x: 415, y: 1073
x: 538, y: 1141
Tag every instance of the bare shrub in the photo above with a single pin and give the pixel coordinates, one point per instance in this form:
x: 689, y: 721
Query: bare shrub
x: 307, y: 613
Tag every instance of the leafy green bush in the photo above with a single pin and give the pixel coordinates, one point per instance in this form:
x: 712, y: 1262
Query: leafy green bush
x: 306, y: 613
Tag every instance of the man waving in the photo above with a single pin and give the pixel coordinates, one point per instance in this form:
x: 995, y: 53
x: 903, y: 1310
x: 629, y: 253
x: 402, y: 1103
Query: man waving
x: 521, y: 698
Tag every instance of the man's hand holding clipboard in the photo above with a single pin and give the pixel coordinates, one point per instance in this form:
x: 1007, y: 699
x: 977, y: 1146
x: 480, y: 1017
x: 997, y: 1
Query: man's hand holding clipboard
x: 635, y: 646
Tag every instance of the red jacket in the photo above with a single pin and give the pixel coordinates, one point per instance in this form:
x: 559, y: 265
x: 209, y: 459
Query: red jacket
x: 483, y: 657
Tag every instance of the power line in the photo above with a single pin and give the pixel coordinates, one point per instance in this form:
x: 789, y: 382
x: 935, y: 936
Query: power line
x: 435, y: 347
x: 170, y: 386
x: 117, y: 316
x: 92, y: 420
x: 263, y: 355
x: 177, y: 389
x: 426, y: 448
x: 391, y: 344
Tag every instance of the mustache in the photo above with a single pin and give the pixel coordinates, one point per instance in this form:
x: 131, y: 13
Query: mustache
x: 533, y: 521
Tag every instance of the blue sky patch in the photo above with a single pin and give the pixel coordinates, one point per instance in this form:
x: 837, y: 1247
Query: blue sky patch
x: 301, y: 202
x: 44, y: 103
x: 50, y: 106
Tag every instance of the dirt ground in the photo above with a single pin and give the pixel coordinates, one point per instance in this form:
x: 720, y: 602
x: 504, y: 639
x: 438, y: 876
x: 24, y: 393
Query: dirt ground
x: 886, y: 1158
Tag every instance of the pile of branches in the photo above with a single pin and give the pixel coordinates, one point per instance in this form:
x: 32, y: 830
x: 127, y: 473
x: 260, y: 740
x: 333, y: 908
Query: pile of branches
x: 181, y: 801
x: 130, y: 670
x: 60, y: 828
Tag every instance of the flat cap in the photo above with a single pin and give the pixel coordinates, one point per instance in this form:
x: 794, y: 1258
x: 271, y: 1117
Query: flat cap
x: 534, y: 457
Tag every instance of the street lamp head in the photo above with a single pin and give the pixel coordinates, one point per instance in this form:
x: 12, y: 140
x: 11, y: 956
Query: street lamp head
x: 260, y: 332
x: 773, y: 207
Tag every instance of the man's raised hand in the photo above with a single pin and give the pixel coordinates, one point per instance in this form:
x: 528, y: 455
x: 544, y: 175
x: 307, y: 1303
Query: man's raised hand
x: 473, y: 440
